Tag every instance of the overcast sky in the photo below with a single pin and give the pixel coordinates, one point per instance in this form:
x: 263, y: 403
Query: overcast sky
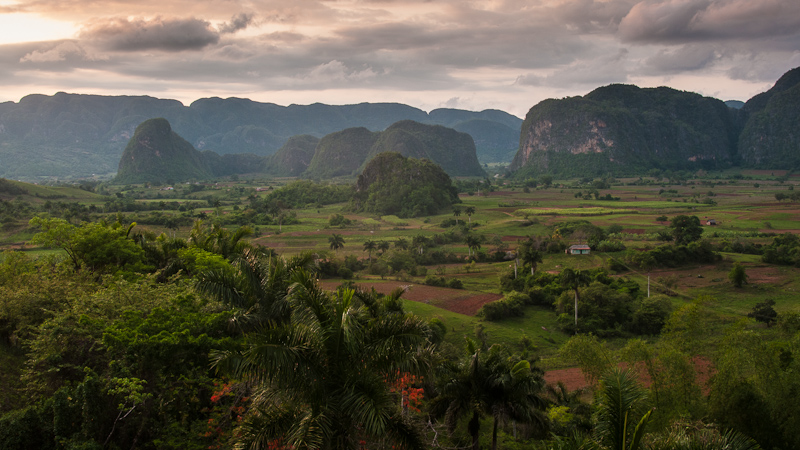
x: 474, y: 55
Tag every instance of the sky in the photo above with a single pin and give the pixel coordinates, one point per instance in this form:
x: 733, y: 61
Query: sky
x: 474, y: 55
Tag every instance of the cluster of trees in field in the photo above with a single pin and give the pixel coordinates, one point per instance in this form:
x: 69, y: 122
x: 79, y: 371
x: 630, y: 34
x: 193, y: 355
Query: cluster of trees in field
x: 606, y: 306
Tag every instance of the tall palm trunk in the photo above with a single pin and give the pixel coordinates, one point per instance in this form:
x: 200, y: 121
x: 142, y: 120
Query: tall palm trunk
x: 494, y: 434
x: 474, y: 428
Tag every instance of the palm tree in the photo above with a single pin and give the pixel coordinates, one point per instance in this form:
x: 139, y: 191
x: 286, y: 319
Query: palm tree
x: 369, y: 246
x: 336, y: 241
x: 219, y: 240
x: 456, y: 211
x: 530, y: 254
x: 322, y: 379
x: 621, y: 410
x: 419, y: 241
x: 574, y: 279
x: 469, y: 211
x: 256, y: 286
x: 401, y: 243
x: 489, y: 385
x: 473, y: 243
x: 383, y: 246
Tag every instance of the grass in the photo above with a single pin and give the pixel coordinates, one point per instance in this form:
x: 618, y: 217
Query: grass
x: 591, y: 211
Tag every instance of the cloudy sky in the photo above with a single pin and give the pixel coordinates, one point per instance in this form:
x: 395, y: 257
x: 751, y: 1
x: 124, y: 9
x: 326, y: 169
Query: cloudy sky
x: 503, y: 54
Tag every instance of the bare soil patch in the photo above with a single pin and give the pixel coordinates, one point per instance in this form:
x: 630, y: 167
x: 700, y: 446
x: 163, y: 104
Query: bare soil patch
x: 573, y: 378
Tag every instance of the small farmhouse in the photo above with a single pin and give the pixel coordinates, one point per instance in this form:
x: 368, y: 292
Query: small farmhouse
x: 711, y: 222
x: 578, y: 249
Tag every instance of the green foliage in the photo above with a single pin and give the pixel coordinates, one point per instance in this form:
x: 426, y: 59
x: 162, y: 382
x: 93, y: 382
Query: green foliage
x: 330, y: 342
x: 784, y: 249
x: 592, y: 356
x: 94, y: 246
x: 737, y: 275
x: 754, y: 388
x: 405, y: 187
x: 512, y: 305
x: 621, y: 411
x: 301, y: 193
x: 155, y: 153
x: 686, y: 229
x: 489, y: 383
x: 764, y: 312
x: 652, y: 315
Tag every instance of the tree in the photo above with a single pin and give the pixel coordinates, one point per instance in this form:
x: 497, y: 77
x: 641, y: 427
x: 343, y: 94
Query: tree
x: 530, y: 254
x: 764, y: 312
x: 369, y: 247
x: 469, y: 211
x: 256, y: 287
x: 419, y: 241
x: 336, y: 241
x: 621, y: 411
x: 737, y: 275
x: 95, y: 246
x: 456, y: 211
x: 383, y: 246
x: 489, y: 383
x: 323, y: 378
x: 686, y: 229
x: 473, y: 243
x: 401, y: 243
x: 574, y: 279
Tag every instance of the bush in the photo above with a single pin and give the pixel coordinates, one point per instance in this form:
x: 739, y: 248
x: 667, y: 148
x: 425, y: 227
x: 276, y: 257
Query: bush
x: 455, y: 283
x: 537, y: 296
x: 651, y: 315
x: 789, y: 322
x: 610, y: 246
x: 510, y: 306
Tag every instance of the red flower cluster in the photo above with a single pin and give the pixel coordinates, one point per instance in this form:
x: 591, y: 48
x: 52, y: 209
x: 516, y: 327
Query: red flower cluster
x: 412, y: 396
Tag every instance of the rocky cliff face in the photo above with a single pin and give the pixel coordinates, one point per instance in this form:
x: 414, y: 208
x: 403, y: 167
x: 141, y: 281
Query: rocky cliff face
x: 771, y: 137
x: 623, y: 128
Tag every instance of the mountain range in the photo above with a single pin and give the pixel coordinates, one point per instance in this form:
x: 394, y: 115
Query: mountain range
x: 620, y: 129
x: 80, y: 135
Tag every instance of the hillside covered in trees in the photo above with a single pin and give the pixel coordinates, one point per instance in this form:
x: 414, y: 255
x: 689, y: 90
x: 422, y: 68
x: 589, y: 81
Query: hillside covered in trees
x: 349, y: 151
x: 625, y: 129
x: 392, y: 184
x: 157, y: 154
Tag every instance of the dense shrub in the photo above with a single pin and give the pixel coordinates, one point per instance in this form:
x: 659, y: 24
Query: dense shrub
x: 511, y: 305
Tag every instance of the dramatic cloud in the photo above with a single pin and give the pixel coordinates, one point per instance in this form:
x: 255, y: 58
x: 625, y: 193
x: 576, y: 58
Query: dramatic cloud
x: 493, y: 53
x: 156, y: 34
x: 682, y: 59
x: 676, y: 21
x: 60, y: 52
x: 238, y: 22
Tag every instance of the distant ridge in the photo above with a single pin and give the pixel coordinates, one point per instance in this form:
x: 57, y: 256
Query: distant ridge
x: 81, y: 135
